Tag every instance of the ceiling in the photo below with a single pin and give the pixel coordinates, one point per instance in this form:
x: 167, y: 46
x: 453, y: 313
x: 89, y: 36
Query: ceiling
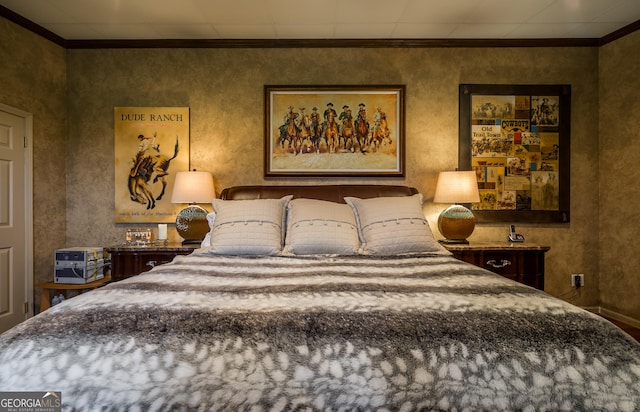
x: 327, y: 19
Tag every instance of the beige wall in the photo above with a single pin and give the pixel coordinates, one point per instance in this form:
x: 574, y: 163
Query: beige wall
x: 224, y: 90
x: 619, y: 174
x: 33, y: 78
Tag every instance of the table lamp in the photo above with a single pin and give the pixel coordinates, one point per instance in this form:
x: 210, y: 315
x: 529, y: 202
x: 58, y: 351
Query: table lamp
x: 456, y: 223
x: 192, y: 187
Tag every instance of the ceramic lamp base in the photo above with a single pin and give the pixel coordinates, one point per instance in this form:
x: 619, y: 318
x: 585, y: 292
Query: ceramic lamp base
x: 456, y: 224
x: 191, y: 224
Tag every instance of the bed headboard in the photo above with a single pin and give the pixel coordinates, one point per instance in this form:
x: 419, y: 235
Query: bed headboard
x: 333, y: 193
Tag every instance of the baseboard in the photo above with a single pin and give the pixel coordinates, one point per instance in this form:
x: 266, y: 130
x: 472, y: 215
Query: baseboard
x: 614, y: 315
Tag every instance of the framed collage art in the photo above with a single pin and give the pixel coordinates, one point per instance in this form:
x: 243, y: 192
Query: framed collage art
x: 517, y: 140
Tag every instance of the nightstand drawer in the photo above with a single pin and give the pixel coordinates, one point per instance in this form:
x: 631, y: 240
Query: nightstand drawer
x: 500, y: 263
x: 523, y: 263
x: 136, y: 263
x: 127, y: 261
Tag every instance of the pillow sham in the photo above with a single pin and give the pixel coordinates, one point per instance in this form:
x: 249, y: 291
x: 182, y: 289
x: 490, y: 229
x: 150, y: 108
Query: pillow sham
x: 393, y: 225
x: 320, y: 227
x: 248, y: 227
x: 206, y: 242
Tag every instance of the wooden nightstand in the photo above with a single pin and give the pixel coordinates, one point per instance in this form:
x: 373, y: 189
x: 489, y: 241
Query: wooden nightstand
x: 127, y: 261
x: 522, y: 262
x: 64, y: 288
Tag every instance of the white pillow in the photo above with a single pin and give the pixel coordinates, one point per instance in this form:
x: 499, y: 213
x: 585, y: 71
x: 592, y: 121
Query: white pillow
x: 393, y: 225
x: 320, y: 227
x: 211, y: 217
x: 248, y: 227
x: 206, y: 242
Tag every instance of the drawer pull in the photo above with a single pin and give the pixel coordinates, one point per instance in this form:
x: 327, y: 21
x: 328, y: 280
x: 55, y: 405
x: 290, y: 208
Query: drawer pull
x: 151, y: 263
x: 502, y: 263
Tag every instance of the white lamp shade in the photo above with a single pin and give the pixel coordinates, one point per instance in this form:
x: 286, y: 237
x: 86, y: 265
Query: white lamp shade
x: 457, y: 187
x: 193, y: 187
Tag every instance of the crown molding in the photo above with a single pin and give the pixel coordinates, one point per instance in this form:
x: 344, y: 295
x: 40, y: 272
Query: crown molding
x: 328, y: 43
x: 314, y: 43
x: 31, y: 26
x: 628, y: 29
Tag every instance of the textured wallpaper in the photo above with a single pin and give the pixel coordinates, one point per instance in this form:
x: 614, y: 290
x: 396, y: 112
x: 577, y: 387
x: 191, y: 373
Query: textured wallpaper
x: 33, y: 78
x: 224, y: 90
x: 74, y: 132
x: 619, y: 191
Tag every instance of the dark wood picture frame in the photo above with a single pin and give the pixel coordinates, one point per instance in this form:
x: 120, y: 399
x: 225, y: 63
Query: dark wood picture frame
x: 336, y: 131
x: 518, y: 140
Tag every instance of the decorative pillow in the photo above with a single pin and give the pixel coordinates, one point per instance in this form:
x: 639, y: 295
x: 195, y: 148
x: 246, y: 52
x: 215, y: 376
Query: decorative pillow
x: 320, y: 227
x: 248, y: 227
x: 393, y: 225
x: 211, y: 217
x: 206, y: 242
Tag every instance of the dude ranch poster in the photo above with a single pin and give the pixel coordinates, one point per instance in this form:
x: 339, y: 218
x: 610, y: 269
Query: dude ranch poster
x: 151, y: 145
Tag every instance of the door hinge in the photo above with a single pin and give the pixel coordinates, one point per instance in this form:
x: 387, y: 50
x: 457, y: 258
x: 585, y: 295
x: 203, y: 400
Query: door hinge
x: 26, y: 307
x: 25, y: 142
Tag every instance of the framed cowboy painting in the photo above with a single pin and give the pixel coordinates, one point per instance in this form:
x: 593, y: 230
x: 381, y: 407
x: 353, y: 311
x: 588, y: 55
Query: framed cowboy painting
x: 334, y: 130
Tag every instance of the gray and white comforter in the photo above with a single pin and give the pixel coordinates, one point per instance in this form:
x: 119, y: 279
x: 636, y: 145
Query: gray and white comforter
x: 322, y: 334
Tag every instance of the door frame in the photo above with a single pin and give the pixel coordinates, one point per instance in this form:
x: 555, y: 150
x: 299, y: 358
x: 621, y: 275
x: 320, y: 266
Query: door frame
x: 28, y: 202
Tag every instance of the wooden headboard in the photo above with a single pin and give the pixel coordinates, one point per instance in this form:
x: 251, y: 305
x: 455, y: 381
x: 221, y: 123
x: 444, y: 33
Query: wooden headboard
x: 333, y: 193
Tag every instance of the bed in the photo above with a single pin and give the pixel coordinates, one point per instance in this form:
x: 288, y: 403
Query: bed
x: 329, y: 298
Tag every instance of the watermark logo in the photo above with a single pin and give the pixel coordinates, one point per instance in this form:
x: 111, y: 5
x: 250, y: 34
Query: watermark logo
x: 30, y: 401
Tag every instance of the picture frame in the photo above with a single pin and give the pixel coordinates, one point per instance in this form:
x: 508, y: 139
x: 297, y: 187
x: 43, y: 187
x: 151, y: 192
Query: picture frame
x: 151, y: 144
x: 517, y: 138
x: 334, y: 131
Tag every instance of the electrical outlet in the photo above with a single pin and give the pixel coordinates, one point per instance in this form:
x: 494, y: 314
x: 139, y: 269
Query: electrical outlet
x: 577, y: 280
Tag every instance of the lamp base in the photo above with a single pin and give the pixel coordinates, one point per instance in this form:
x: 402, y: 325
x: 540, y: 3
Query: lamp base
x: 192, y: 241
x: 454, y: 241
x: 191, y: 224
x: 456, y: 224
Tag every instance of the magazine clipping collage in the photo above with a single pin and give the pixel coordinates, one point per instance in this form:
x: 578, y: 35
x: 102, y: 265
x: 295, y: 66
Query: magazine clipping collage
x: 515, y: 151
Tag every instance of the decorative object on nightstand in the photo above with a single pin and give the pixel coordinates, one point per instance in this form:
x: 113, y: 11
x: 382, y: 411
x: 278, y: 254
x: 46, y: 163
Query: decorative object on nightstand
x: 138, y: 236
x: 162, y: 234
x: 192, y: 187
x: 456, y: 223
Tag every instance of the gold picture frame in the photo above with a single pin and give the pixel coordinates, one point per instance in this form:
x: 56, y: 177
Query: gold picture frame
x: 334, y: 131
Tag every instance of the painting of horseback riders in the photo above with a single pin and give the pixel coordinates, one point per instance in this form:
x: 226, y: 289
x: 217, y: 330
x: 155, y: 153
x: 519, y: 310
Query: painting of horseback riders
x: 151, y: 145
x: 334, y: 131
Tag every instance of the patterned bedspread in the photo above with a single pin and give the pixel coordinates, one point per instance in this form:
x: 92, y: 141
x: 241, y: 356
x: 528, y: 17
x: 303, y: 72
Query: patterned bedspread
x: 322, y: 333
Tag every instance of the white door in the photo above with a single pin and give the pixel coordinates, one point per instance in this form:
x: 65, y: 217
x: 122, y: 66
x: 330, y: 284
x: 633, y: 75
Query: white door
x: 16, y: 267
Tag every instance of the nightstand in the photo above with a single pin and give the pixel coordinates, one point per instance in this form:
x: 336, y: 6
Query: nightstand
x: 64, y: 288
x: 522, y: 262
x: 127, y: 261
